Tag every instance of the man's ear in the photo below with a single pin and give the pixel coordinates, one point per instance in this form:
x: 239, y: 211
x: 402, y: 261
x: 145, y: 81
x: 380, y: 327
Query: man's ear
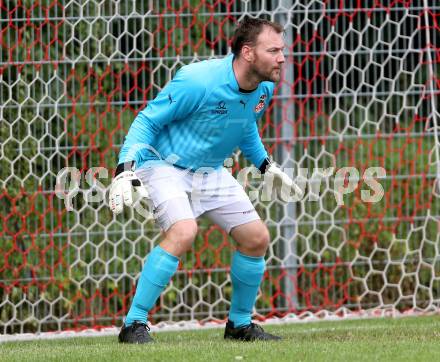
x: 247, y: 53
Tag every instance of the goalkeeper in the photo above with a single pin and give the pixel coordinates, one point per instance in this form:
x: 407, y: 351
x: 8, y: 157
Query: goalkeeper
x: 176, y: 148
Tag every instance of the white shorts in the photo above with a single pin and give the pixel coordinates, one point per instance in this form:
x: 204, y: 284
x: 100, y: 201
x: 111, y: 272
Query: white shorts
x: 179, y: 194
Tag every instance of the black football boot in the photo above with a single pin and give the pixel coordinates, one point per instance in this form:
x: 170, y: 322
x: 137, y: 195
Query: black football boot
x: 251, y: 332
x: 136, y: 333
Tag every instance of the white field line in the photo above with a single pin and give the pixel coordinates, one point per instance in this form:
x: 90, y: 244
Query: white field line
x: 195, y: 325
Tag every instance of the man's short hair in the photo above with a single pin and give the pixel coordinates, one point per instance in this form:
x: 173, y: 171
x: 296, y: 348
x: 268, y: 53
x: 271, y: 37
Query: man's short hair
x: 248, y: 30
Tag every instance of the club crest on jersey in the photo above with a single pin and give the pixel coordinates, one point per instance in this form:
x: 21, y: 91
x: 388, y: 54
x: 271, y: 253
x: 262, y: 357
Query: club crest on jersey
x: 261, y: 103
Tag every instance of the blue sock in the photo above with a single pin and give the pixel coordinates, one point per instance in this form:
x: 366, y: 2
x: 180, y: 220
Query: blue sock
x: 246, y: 275
x: 159, y: 267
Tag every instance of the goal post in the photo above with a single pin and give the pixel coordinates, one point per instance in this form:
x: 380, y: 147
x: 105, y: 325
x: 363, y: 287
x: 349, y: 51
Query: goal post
x: 355, y: 119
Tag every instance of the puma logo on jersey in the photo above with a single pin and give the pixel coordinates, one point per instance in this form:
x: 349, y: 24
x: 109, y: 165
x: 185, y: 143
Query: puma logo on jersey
x: 171, y: 99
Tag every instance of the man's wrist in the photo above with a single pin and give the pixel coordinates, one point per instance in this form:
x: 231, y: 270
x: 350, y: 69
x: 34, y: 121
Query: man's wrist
x: 265, y: 165
x: 126, y: 166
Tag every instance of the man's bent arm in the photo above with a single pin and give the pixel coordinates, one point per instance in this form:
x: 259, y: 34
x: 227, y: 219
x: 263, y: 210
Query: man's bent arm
x: 178, y: 99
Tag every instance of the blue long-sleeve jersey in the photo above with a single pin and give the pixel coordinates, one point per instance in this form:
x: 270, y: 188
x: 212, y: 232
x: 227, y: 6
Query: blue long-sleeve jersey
x: 199, y: 118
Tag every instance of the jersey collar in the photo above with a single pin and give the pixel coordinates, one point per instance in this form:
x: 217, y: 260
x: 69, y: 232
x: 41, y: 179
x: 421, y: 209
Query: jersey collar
x: 232, y: 80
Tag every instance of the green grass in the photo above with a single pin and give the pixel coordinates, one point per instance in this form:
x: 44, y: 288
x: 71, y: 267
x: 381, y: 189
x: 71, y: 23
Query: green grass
x: 411, y: 339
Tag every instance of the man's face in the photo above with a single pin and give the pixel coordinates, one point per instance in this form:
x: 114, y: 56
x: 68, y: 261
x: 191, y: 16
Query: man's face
x: 268, y: 55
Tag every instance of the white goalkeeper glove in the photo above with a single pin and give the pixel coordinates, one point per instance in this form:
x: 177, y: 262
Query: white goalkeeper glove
x: 281, y: 181
x: 121, y: 189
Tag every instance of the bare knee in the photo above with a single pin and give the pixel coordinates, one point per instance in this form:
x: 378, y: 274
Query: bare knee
x: 260, y: 241
x: 185, y: 231
x: 180, y: 237
x: 253, y: 239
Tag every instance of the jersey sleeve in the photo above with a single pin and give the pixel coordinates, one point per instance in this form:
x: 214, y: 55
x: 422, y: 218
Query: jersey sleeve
x: 177, y: 100
x: 252, y: 146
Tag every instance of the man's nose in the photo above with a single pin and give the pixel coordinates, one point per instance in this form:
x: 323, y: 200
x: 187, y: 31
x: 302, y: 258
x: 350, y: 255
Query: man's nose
x: 281, y: 58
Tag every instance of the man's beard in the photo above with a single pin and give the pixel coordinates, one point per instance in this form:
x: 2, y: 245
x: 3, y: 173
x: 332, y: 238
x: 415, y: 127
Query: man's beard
x: 263, y: 77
